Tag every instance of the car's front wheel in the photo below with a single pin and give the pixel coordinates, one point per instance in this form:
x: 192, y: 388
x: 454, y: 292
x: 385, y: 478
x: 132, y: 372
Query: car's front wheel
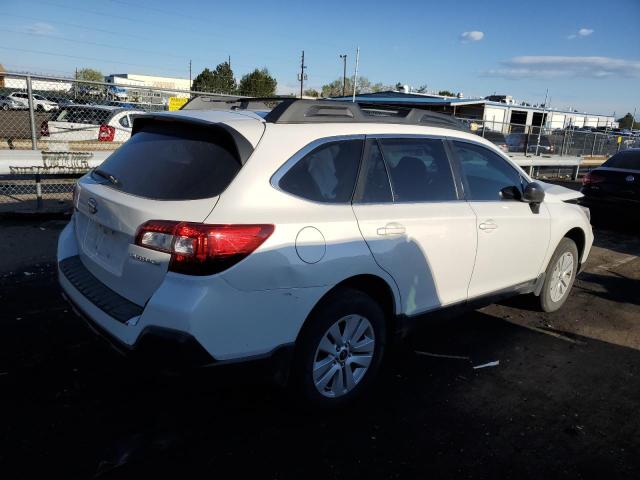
x: 559, y: 276
x: 340, y: 349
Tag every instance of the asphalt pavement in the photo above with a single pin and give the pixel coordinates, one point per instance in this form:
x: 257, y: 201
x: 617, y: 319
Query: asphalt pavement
x: 556, y: 397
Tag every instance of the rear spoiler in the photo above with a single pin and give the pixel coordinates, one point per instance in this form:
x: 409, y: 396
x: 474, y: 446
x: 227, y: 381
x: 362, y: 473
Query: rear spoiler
x: 244, y: 149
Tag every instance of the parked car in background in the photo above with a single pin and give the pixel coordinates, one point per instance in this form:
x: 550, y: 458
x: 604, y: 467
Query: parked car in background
x: 312, y: 236
x: 516, y: 143
x: 7, y: 103
x: 90, y: 122
x: 615, y: 184
x: 497, y: 138
x: 40, y: 103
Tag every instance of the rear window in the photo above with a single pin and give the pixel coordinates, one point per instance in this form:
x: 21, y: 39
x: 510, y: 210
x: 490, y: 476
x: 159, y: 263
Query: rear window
x: 174, y: 161
x: 626, y: 160
x: 91, y: 116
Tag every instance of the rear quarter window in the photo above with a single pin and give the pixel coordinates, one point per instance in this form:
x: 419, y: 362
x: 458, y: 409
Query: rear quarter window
x: 327, y: 174
x: 174, y: 161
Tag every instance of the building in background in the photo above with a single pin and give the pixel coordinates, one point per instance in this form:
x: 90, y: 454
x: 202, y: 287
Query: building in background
x: 147, y: 89
x: 505, y: 115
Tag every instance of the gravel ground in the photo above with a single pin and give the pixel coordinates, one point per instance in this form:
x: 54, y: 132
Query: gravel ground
x: 561, y: 403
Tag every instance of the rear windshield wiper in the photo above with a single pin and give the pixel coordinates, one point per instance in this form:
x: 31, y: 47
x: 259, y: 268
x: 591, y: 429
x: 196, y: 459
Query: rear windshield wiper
x: 101, y: 173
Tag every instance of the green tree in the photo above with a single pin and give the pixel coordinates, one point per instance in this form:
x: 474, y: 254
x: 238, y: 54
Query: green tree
x: 90, y: 75
x: 334, y: 89
x: 627, y: 121
x: 220, y: 80
x: 446, y: 93
x: 258, y: 83
x: 311, y: 92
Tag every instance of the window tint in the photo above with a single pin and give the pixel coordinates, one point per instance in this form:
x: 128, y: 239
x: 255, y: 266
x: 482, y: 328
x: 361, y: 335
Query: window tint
x: 485, y: 172
x: 419, y: 170
x: 174, y: 162
x: 326, y: 174
x: 629, y: 160
x: 374, y: 183
x: 124, y: 121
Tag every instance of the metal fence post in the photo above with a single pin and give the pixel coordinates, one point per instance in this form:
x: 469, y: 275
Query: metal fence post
x: 38, y: 192
x: 32, y: 116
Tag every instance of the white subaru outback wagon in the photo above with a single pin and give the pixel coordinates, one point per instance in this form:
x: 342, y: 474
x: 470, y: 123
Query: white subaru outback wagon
x: 312, y: 234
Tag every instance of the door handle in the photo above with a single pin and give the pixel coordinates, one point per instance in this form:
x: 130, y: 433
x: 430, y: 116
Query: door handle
x: 488, y: 225
x: 391, y: 229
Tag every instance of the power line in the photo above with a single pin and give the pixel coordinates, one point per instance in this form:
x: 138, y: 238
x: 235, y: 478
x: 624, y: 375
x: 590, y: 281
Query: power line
x: 25, y: 50
x: 75, y: 25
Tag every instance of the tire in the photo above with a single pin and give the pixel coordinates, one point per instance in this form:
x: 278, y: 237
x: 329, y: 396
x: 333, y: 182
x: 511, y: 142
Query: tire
x: 5, y: 107
x: 559, y: 276
x: 327, y: 371
x: 39, y: 108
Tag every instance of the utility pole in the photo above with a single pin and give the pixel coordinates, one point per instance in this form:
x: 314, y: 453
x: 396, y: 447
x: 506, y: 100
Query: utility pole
x: 190, y: 84
x: 355, y: 75
x: 302, y: 76
x: 229, y: 62
x: 542, y: 121
x: 344, y: 74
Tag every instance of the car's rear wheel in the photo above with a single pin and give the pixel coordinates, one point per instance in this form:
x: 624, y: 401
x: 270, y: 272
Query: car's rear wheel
x: 559, y: 276
x: 340, y: 349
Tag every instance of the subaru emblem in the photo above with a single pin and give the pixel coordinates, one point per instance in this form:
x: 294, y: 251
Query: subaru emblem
x: 630, y: 178
x: 92, y: 205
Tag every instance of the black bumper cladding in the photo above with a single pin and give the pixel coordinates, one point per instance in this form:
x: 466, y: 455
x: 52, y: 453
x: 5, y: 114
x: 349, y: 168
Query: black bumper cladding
x: 114, y: 305
x: 162, y: 346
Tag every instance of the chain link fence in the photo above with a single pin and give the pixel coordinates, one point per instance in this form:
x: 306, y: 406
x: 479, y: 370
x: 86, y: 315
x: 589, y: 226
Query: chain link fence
x: 61, y: 114
x: 29, y: 193
x: 542, y: 140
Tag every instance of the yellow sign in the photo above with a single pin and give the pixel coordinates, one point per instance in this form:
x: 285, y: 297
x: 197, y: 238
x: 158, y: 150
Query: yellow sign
x: 619, y: 139
x: 176, y: 103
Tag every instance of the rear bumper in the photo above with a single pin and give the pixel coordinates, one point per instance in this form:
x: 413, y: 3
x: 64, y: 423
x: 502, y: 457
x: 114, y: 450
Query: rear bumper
x: 161, y: 346
x: 188, y: 320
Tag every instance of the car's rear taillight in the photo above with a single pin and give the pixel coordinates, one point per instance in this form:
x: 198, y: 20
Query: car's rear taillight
x: 199, y: 249
x: 106, y: 133
x: 591, y: 178
x: 44, y: 129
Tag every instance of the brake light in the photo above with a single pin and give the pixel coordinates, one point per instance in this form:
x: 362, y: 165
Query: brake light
x: 44, y: 129
x: 106, y: 133
x: 199, y: 249
x: 591, y: 178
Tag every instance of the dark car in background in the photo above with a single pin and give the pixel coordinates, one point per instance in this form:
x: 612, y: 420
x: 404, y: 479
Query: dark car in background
x: 518, y: 142
x: 494, y: 137
x: 616, y: 183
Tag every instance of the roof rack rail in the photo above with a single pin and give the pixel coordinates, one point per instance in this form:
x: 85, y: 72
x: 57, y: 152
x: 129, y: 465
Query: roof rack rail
x: 332, y: 111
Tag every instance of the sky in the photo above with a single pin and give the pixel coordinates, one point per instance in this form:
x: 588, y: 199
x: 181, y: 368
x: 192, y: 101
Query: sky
x: 586, y: 53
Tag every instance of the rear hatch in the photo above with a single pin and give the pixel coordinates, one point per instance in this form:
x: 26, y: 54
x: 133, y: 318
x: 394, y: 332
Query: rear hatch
x: 77, y: 123
x: 616, y: 183
x: 618, y: 177
x: 172, y: 168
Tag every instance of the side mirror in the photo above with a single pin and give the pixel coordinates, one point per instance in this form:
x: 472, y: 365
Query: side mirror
x: 533, y: 195
x: 510, y: 193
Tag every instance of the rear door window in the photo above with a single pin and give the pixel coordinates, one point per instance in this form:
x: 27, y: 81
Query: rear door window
x: 174, y: 161
x: 419, y: 169
x: 327, y: 174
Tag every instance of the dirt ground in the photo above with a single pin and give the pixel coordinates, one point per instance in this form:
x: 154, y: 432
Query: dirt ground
x: 562, y: 402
